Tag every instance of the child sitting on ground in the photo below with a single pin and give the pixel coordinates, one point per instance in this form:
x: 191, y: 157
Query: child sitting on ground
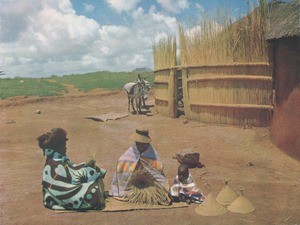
x: 184, y: 188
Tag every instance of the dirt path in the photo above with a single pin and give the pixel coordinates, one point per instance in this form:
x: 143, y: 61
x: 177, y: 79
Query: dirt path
x: 271, y: 183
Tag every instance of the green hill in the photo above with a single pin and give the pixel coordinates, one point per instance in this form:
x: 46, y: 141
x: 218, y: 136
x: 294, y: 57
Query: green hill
x: 54, y: 85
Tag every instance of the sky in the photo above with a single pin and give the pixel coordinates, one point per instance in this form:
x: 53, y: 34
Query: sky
x: 41, y: 38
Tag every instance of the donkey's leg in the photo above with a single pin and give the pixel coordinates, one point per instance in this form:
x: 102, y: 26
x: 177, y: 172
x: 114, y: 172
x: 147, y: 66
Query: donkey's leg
x: 132, y: 105
x: 139, y: 102
x: 144, y: 102
x: 137, y: 105
x: 128, y: 103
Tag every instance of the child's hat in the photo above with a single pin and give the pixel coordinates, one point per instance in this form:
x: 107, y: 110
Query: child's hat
x: 210, y: 207
x: 241, y: 205
x: 226, y: 196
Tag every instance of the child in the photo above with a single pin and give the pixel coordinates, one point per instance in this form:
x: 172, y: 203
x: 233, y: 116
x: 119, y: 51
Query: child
x: 184, y: 188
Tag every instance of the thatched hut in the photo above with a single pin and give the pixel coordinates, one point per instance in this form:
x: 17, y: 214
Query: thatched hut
x: 284, y: 39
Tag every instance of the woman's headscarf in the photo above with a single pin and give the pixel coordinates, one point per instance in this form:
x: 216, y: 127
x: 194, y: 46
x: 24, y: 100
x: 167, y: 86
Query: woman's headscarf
x: 53, y: 139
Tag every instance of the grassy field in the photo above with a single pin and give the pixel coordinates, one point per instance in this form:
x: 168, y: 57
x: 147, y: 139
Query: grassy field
x: 53, y: 86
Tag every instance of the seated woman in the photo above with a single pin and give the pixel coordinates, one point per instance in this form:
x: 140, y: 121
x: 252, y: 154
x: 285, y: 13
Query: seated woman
x: 141, y: 156
x: 66, y: 185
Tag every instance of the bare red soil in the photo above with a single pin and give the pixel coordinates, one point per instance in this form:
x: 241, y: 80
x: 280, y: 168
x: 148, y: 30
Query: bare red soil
x: 269, y: 177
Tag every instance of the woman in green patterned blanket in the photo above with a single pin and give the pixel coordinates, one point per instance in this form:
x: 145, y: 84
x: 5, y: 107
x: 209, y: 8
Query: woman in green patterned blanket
x: 66, y: 185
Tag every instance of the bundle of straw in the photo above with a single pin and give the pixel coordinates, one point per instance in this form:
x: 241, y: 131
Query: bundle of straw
x: 164, y: 53
x: 143, y: 188
x: 220, y: 40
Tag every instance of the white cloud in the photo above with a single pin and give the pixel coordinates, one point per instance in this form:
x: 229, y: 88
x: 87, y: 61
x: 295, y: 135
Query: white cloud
x: 48, y: 37
x: 138, y: 59
x: 170, y: 22
x: 199, y: 7
x: 160, y: 36
x: 138, y: 13
x: 62, y: 6
x: 123, y: 5
x: 174, y: 6
x: 51, y: 34
x: 14, y: 18
x: 194, y: 31
x: 197, y: 31
x: 88, y: 7
x: 153, y: 22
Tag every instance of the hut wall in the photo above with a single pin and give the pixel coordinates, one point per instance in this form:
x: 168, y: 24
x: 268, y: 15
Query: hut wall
x: 287, y: 67
x: 229, y: 94
x: 165, y: 101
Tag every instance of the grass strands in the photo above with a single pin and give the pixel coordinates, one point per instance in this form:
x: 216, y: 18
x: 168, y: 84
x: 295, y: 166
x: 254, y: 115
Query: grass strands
x: 164, y: 53
x: 225, y: 41
x: 145, y: 189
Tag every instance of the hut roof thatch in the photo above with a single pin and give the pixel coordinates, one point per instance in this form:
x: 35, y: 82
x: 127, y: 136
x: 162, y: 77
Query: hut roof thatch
x: 284, y: 20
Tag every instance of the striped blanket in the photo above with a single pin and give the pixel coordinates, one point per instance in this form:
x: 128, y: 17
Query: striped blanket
x: 188, y: 187
x: 132, y: 160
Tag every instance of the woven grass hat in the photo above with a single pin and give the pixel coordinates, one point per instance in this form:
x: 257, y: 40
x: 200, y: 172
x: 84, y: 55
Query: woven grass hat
x: 226, y: 196
x: 210, y: 207
x: 143, y: 188
x: 141, y: 135
x: 241, y: 205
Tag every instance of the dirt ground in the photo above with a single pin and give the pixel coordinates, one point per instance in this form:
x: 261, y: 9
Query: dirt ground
x: 269, y: 177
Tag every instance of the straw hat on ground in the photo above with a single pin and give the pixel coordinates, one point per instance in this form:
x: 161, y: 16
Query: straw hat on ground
x: 141, y: 135
x: 210, y: 207
x: 241, y: 205
x: 226, y: 196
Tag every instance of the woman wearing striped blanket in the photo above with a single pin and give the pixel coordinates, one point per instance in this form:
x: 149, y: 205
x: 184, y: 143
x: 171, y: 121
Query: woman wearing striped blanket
x: 140, y: 156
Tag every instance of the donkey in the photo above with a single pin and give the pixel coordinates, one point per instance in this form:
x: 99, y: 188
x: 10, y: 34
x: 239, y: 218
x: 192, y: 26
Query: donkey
x: 145, y: 88
x: 134, y: 92
x: 137, y: 91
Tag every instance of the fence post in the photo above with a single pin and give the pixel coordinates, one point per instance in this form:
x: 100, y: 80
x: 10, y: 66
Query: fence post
x: 185, y: 93
x: 172, y: 94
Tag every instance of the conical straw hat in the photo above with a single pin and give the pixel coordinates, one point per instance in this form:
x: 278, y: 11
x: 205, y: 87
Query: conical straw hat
x: 226, y: 196
x: 210, y: 207
x: 241, y: 205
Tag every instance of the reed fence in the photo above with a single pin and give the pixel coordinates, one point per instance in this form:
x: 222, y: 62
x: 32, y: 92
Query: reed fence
x: 226, y: 73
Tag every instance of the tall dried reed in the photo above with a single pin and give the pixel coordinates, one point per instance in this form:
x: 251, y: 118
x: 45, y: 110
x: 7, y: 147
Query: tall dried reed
x: 164, y: 53
x: 227, y: 42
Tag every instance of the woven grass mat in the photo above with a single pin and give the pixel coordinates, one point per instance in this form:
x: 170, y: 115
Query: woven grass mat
x: 114, y: 205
